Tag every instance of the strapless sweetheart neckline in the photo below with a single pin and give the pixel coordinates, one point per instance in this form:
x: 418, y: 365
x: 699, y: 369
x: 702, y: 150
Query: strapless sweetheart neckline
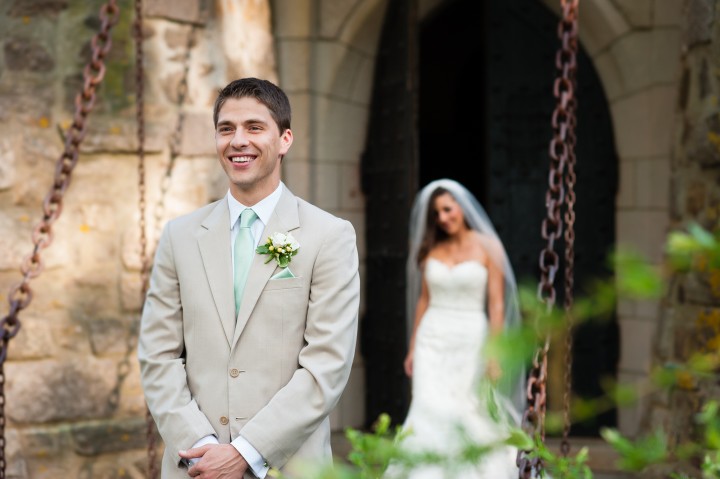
x: 453, y: 266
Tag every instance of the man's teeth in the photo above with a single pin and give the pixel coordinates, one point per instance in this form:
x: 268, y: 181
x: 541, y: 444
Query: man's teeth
x: 238, y: 159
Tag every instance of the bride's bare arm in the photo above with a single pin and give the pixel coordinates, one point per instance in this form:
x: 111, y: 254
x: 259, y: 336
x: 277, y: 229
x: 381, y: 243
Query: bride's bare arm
x: 420, y: 308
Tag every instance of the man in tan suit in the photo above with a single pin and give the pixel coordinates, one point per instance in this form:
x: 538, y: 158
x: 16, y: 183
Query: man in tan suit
x: 235, y: 392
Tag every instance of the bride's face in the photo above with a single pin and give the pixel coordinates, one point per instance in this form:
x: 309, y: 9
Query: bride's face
x: 449, y: 214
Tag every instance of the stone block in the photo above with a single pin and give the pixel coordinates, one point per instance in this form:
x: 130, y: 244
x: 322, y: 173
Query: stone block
x: 248, y: 50
x: 188, y: 11
x: 327, y: 187
x: 7, y: 164
x: 51, y: 390
x: 626, y: 196
x: 14, y: 455
x: 294, y: 55
x: 344, y: 130
x: 334, y: 15
x: 131, y: 295
x: 644, y: 123
x: 629, y: 417
x: 336, y: 70
x: 198, y: 134
x: 699, y: 15
x: 648, y: 57
x: 296, y: 175
x: 48, y: 442
x: 668, y: 13
x: 644, y: 231
x: 699, y: 289
x: 116, y: 435
x: 37, y: 337
x: 351, y: 196
x: 302, y: 110
x: 292, y: 18
x: 653, y: 183
x: 363, y: 27
x: 111, y: 336
x: 178, y: 38
x: 31, y: 8
x: 15, y: 243
x: 636, y: 341
x: 24, y: 54
x: 611, y: 77
x: 119, y: 135
x: 363, y: 84
x: 607, y: 25
x: 703, y: 145
x: 637, y: 12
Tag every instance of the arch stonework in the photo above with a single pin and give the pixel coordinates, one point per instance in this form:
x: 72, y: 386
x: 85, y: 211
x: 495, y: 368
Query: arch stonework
x: 326, y: 53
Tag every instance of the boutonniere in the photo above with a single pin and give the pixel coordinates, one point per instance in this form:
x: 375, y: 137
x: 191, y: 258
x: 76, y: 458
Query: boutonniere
x: 281, y: 247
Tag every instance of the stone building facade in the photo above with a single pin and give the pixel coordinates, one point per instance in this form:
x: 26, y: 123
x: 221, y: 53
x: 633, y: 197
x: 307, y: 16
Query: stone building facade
x: 74, y: 403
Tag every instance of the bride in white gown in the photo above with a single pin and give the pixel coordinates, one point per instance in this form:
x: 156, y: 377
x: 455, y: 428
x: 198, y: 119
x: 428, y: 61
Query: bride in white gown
x: 461, y: 290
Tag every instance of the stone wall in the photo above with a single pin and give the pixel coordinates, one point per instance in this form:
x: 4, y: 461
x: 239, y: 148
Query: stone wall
x: 689, y: 322
x: 75, y: 407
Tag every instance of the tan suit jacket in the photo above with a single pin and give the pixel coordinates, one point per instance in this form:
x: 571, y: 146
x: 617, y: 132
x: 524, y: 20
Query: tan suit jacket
x: 274, y: 373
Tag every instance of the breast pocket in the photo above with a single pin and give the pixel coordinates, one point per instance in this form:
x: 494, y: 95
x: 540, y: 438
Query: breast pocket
x: 285, y: 283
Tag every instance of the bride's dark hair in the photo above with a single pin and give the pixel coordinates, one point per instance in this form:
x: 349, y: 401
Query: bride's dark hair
x: 433, y: 233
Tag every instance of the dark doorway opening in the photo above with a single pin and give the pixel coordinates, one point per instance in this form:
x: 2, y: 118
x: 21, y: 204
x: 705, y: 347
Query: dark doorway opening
x: 484, y: 102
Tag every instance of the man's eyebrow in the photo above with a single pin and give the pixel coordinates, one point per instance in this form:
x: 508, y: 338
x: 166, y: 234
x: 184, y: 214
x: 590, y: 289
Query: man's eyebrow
x: 249, y: 121
x: 254, y: 121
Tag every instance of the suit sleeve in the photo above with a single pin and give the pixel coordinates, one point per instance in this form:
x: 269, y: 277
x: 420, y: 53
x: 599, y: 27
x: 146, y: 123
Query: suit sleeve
x: 161, y: 355
x: 279, y: 429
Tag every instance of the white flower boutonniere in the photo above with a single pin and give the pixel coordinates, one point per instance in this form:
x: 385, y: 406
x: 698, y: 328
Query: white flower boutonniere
x: 281, y: 247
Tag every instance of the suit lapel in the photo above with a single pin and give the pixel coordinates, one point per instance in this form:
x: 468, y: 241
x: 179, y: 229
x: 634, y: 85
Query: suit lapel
x: 214, y: 244
x: 283, y: 220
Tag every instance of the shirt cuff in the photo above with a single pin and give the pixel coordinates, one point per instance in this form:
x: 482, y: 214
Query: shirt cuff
x: 205, y: 440
x: 254, y: 459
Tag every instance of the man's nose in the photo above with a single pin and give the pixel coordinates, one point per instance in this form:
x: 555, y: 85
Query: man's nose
x: 239, y: 139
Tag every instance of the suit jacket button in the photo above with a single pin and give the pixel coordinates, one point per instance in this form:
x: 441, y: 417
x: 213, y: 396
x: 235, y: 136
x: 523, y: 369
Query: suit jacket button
x: 234, y: 372
x: 224, y: 420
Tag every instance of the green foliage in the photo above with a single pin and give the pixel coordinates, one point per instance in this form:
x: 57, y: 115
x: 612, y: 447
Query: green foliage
x: 695, y: 249
x: 634, y: 278
x: 636, y: 456
x: 372, y: 453
x: 561, y: 467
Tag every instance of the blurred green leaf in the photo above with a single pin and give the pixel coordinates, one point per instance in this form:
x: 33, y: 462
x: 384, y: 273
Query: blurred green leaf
x: 635, y: 277
x: 637, y: 455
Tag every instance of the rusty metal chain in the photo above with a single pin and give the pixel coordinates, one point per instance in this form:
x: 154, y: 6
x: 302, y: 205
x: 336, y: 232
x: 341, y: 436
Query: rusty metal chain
x: 176, y: 138
x: 175, y: 141
x: 144, y: 258
x: 561, y: 151
x: 21, y: 294
x: 569, y: 32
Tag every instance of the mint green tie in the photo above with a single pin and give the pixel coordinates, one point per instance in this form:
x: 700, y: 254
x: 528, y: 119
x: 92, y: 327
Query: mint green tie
x: 243, y: 251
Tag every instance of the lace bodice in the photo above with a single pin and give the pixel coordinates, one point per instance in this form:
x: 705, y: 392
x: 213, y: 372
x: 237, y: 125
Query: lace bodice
x: 460, y: 287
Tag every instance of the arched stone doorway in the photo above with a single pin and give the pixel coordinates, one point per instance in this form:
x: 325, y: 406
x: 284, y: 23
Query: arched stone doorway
x: 496, y: 122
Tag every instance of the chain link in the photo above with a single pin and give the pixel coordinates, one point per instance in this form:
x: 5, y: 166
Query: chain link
x: 21, y: 294
x: 562, y: 156
x: 144, y: 257
x: 176, y: 138
x: 159, y: 212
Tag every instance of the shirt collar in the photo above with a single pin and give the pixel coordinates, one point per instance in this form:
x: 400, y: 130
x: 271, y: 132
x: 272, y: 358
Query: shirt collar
x: 263, y: 208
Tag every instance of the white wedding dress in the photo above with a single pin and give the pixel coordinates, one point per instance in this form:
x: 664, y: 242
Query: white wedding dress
x: 446, y: 366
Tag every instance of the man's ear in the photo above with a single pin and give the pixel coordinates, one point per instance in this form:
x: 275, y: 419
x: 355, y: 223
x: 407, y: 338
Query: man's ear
x: 286, y: 139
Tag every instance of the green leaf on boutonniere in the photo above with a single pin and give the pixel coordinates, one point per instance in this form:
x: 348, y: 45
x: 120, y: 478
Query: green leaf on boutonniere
x: 281, y: 247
